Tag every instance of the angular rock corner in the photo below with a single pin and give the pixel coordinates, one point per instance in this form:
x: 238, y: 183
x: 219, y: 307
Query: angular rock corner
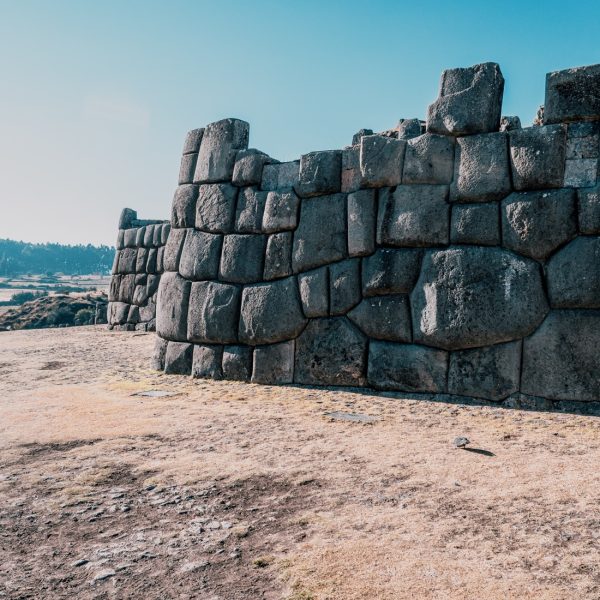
x: 458, y: 256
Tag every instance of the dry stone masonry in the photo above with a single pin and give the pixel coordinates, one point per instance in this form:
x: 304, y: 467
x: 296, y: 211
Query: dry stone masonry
x: 136, y: 272
x: 460, y: 256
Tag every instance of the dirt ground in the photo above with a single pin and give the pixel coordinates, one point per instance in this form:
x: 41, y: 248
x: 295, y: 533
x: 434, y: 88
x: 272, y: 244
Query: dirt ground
x: 227, y: 491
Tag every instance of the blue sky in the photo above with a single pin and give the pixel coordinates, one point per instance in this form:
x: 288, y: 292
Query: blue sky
x: 97, y: 96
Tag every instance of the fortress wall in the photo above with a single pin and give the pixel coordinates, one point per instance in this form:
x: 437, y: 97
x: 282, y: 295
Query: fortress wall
x: 136, y: 272
x: 463, y: 259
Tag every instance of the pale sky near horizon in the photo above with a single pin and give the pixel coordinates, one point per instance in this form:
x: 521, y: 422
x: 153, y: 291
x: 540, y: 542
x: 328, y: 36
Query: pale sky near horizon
x: 97, y: 96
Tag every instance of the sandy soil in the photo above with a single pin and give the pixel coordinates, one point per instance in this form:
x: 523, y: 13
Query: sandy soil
x: 227, y: 491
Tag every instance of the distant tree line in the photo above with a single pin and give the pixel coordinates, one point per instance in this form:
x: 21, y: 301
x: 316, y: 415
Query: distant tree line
x: 19, y: 258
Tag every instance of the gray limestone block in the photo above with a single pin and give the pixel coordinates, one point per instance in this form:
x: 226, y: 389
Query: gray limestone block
x: 128, y: 260
x: 141, y: 278
x: 583, y: 140
x: 321, y: 234
x: 407, y: 367
x: 482, y: 169
x: 510, y: 123
x: 331, y: 352
x: 278, y: 257
x: 390, y: 271
x: 475, y: 224
x: 148, y: 314
x: 164, y: 233
x: 280, y: 212
x: 536, y: 223
x: 121, y: 239
x: 491, y: 372
x: 413, y: 215
x: 381, y: 160
x: 215, y: 208
x: 561, y: 359
x: 320, y: 173
x: 384, y: 318
x: 589, y: 210
x: 220, y: 144
x: 172, y: 307
x: 206, y: 361
x: 127, y: 288
x: 573, y: 275
x: 409, y: 129
x: 429, y: 159
x: 271, y: 312
x: 274, y: 364
x: 183, y: 210
x: 157, y: 362
x: 537, y: 157
x: 129, y: 238
x: 115, y: 265
x: 248, y: 167
x: 200, y: 255
x: 152, y: 261
x: 351, y: 177
x: 213, y: 313
x: 178, y: 358
x: 250, y: 210
x: 140, y: 235
x: 192, y: 141
x: 280, y: 176
x: 362, y: 215
x: 581, y: 172
x: 187, y: 168
x: 344, y: 286
x: 470, y: 101
x: 173, y: 249
x: 149, y: 236
x: 471, y: 296
x: 360, y: 134
x: 237, y: 363
x: 160, y: 259
x: 119, y: 312
x: 573, y: 95
x: 314, y: 292
x: 113, y: 289
x: 157, y: 236
x: 152, y: 283
x: 242, y: 258
x: 133, y: 315
x: 128, y: 215
x: 140, y: 295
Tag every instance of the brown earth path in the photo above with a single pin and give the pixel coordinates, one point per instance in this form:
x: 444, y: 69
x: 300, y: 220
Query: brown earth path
x: 230, y: 491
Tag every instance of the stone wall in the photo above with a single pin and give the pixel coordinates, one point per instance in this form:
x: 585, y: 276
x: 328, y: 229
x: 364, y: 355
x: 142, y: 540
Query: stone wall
x: 136, y: 272
x: 461, y: 260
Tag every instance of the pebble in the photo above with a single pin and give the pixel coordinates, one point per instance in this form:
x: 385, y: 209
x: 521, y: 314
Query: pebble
x: 104, y: 575
x: 80, y: 562
x: 461, y: 442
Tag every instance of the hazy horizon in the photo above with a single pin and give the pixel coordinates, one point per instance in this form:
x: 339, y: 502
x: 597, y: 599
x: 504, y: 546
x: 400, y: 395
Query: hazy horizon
x: 98, y: 97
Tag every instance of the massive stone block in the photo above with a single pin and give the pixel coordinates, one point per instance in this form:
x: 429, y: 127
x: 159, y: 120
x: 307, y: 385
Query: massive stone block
x: 589, y: 210
x: 561, y: 359
x: 482, y: 169
x: 183, y: 210
x: 314, y: 292
x: 278, y: 257
x: 491, y: 372
x: 200, y: 255
x: 213, y: 312
x: 218, y: 149
x: 280, y: 176
x: 215, y: 208
x: 381, y: 160
x: 192, y: 141
x: 537, y: 157
x: 384, y: 318
x: 172, y: 307
x: 573, y: 275
x: 173, y: 249
x: 407, y: 367
x: 429, y: 159
x: 314, y: 243
x: 470, y: 101
x: 187, y: 168
x: 237, y: 363
x: 536, y: 223
x: 409, y: 128
x: 280, y: 212
x: 573, y: 95
x: 249, y: 211
x: 344, y: 286
x: 331, y: 352
x: 242, y: 258
x: 206, y: 362
x: 475, y: 224
x: 271, y: 312
x: 178, y: 358
x: 351, y: 177
x: 474, y: 296
x: 320, y: 173
x: 362, y: 214
x: 274, y: 364
x: 413, y: 215
x: 390, y: 271
x: 159, y: 353
x: 127, y: 260
x: 248, y: 167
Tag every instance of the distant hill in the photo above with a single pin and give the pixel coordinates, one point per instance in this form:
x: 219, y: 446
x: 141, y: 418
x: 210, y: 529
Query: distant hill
x: 17, y: 258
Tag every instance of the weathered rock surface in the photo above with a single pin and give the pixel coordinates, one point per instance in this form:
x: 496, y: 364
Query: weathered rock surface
x: 172, y: 307
x: 351, y: 177
x: 561, y: 359
x: 280, y: 176
x: 474, y: 296
x: 330, y: 352
x: 320, y: 173
x: 344, y: 286
x: 362, y: 215
x: 429, y: 159
x: 183, y: 210
x: 536, y: 223
x: 242, y: 258
x: 280, y: 212
x: 475, y: 224
x: 173, y: 249
x: 491, y: 372
x: 314, y: 292
x: 249, y: 210
x: 178, y: 358
x: 278, y: 258
x: 271, y: 312
x: 248, y: 167
x: 215, y: 207
x: 381, y: 160
x: 237, y: 363
x: 200, y: 255
x: 384, y: 318
x: 407, y: 367
x: 187, y: 168
x: 159, y: 353
x: 206, y: 362
x: 390, y: 271
x: 192, y: 141
x: 274, y: 364
x: 589, y: 210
